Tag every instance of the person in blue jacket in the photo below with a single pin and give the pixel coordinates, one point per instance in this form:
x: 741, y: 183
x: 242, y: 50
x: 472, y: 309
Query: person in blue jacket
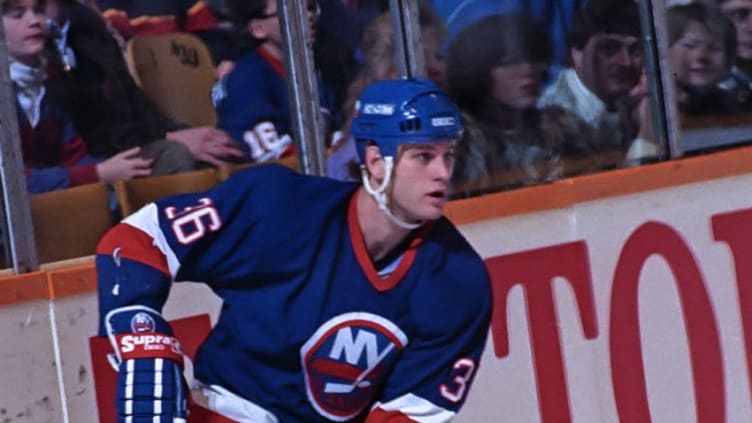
x: 252, y: 99
x: 342, y: 301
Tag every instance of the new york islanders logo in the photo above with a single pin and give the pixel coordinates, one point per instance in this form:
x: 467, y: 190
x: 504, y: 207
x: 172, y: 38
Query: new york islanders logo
x: 346, y: 359
x: 142, y: 322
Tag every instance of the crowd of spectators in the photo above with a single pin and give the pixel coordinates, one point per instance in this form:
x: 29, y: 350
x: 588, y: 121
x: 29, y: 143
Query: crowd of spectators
x: 548, y: 88
x: 495, y: 73
x: 531, y: 116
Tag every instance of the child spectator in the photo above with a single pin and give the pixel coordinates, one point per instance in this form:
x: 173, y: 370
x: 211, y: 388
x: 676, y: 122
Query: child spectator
x: 702, y: 44
x: 55, y: 157
x: 495, y: 70
x: 252, y: 100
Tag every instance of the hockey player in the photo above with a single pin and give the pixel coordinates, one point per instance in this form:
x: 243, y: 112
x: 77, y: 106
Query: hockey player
x: 341, y: 302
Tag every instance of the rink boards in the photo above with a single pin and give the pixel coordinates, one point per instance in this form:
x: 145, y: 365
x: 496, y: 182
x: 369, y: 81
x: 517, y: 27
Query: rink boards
x: 623, y: 296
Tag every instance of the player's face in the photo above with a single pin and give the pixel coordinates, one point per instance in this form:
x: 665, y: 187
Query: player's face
x: 421, y: 181
x: 609, y: 65
x: 23, y: 21
x: 740, y: 13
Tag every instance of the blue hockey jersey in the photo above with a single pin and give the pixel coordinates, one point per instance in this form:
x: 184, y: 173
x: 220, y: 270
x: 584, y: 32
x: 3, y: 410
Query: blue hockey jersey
x: 309, y: 331
x: 254, y: 93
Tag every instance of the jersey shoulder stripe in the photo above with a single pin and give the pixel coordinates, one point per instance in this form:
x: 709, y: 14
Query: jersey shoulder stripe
x: 140, y: 238
x: 125, y: 241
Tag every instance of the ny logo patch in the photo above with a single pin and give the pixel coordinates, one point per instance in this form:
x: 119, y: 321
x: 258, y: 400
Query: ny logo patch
x: 346, y: 359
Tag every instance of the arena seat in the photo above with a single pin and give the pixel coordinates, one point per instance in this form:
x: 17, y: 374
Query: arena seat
x: 136, y: 193
x: 68, y: 223
x: 176, y: 72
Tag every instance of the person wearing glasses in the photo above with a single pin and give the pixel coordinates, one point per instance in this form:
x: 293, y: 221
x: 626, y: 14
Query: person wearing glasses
x: 252, y: 99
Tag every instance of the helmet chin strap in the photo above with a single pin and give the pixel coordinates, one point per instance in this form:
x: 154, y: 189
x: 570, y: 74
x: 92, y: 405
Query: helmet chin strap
x: 379, y: 194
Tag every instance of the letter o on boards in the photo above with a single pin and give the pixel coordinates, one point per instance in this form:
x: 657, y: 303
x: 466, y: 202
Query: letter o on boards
x: 627, y: 366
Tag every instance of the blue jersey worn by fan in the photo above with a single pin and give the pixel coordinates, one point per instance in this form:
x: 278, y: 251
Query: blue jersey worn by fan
x: 341, y: 302
x: 252, y: 99
x: 253, y: 107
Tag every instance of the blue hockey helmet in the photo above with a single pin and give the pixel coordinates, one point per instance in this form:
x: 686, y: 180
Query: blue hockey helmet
x: 390, y: 113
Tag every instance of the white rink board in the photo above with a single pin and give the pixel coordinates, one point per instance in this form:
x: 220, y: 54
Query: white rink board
x: 76, y: 321
x: 29, y: 390
x: 506, y: 388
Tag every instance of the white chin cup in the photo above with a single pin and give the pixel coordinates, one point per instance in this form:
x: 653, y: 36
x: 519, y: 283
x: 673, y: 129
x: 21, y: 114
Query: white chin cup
x: 379, y: 194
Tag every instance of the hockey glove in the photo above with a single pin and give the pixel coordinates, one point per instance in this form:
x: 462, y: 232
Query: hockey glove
x: 150, y: 384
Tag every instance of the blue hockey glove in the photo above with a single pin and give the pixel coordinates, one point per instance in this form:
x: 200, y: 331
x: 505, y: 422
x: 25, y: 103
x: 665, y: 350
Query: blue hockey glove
x: 150, y: 384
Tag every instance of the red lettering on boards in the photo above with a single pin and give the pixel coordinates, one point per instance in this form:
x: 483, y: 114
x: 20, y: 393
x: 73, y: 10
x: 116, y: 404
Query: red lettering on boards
x: 535, y: 270
x: 734, y: 229
x: 627, y: 366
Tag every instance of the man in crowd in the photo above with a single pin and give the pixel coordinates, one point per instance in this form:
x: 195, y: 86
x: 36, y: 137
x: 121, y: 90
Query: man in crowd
x: 607, y: 62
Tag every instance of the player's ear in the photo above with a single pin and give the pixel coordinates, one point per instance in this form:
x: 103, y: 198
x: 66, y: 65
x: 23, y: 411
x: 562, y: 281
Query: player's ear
x: 374, y: 162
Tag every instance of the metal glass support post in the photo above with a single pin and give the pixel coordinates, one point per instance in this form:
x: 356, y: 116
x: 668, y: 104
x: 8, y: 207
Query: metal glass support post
x: 307, y: 122
x: 16, y: 227
x: 407, y: 39
x: 660, y: 80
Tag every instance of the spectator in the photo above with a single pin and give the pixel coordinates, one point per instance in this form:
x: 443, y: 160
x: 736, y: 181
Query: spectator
x: 379, y: 55
x: 55, y: 157
x: 702, y: 44
x: 339, y: 30
x: 554, y: 16
x: 607, y: 62
x: 252, y: 100
x: 110, y: 110
x: 740, y: 79
x: 495, y: 69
